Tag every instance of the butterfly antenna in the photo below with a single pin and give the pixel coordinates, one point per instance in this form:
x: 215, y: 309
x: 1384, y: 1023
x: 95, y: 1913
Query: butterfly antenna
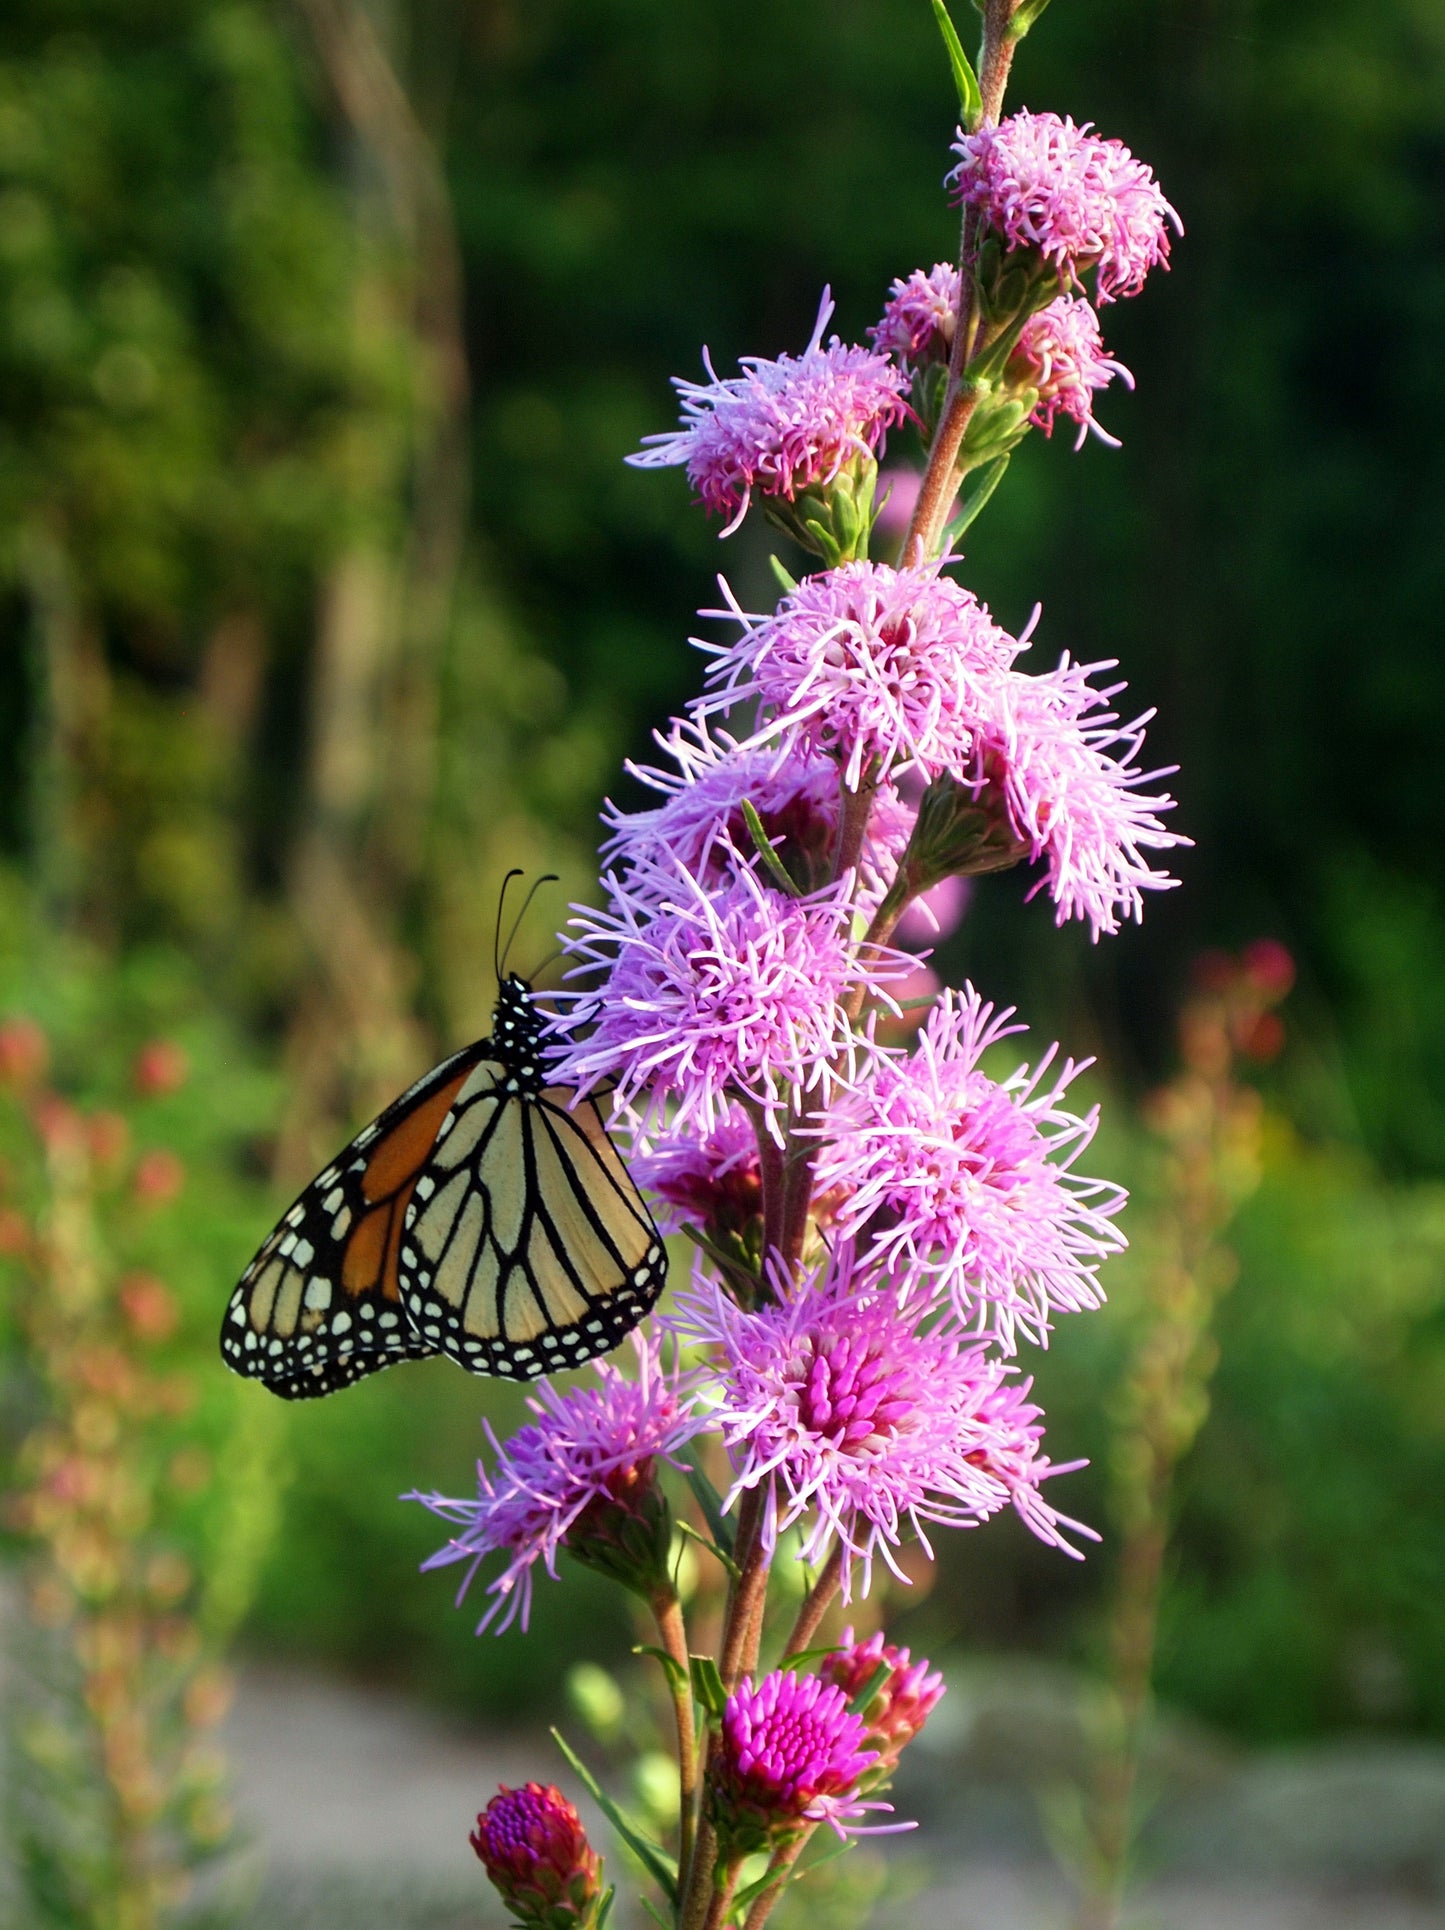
x: 538, y: 970
x: 515, y: 872
x: 547, y: 878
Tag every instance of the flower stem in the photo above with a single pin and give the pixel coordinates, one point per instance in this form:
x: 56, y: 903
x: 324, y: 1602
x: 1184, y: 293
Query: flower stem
x: 722, y: 1901
x: 667, y: 1612
x: 942, y: 477
x: 781, y: 1867
x: 815, y: 1604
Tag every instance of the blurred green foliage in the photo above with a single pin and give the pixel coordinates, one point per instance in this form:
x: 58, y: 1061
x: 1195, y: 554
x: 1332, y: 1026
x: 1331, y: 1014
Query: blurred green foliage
x: 325, y: 597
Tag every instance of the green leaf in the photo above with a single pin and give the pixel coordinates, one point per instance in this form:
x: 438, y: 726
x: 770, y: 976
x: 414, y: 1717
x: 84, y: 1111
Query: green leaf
x: 776, y: 868
x: 707, y: 1686
x: 745, y: 1896
x: 656, y: 1914
x: 686, y: 1528
x: 989, y: 478
x: 1025, y: 17
x: 870, y: 1688
x: 788, y: 583
x: 674, y: 1669
x: 605, y: 1910
x: 710, y: 1501
x: 970, y: 100
x: 792, y: 1663
x: 652, y: 1856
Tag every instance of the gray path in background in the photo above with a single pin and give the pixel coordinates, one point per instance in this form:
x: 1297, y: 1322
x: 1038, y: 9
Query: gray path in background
x: 359, y: 1804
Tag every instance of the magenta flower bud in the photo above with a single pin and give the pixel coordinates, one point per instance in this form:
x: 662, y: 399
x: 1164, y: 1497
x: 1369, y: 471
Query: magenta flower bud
x: 535, y: 1850
x: 791, y: 1755
x: 917, y: 324
x: 901, y: 1702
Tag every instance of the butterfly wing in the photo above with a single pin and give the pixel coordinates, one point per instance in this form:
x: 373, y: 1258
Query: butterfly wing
x: 320, y: 1305
x: 527, y: 1246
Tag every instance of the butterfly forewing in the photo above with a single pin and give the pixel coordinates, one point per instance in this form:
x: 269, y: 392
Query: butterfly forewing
x: 527, y: 1246
x: 320, y: 1305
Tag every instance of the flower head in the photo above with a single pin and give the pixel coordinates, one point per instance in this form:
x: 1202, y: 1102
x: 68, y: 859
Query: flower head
x: 700, y: 822
x: 780, y: 427
x: 961, y: 1184
x: 708, y: 996
x: 580, y: 1477
x: 707, y: 1179
x: 1066, y: 194
x: 536, y: 1852
x: 1060, y: 762
x: 917, y: 323
x: 880, y: 669
x: 1061, y: 354
x: 790, y: 1755
x: 904, y: 1696
x: 852, y: 1414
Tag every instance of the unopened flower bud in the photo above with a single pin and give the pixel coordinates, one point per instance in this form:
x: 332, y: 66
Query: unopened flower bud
x: 535, y: 1850
x: 903, y: 1698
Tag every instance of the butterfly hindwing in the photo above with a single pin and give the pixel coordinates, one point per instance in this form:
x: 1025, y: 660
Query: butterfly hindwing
x: 320, y: 1305
x: 527, y: 1247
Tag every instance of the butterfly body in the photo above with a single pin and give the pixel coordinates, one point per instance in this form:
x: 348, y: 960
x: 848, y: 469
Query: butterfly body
x: 484, y: 1215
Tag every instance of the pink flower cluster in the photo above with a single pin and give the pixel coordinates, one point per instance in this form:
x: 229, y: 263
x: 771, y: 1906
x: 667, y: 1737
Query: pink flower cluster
x: 1067, y: 195
x: 780, y: 427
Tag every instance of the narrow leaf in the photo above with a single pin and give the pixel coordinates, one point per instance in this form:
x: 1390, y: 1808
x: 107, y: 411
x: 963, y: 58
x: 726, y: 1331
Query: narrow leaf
x: 870, y: 1688
x: 787, y: 583
x: 710, y: 1501
x: 686, y: 1528
x: 652, y: 1856
x: 989, y: 478
x: 656, y: 1914
x: 606, y: 1910
x: 970, y: 100
x: 769, y: 856
x: 675, y: 1671
x: 755, y: 1889
x: 707, y: 1686
x: 792, y: 1663
x: 1025, y: 18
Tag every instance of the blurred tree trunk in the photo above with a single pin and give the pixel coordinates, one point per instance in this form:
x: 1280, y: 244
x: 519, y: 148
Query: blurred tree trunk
x: 385, y: 613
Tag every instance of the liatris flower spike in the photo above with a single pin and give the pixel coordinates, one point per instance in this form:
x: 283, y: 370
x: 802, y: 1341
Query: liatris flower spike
x: 803, y: 432
x: 533, y: 1846
x: 882, y: 1213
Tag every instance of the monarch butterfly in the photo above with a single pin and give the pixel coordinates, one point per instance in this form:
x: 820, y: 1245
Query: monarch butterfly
x: 484, y: 1215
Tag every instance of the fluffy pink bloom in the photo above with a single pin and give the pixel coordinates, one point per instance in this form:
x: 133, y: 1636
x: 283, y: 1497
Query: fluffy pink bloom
x: 790, y: 1754
x: 590, y: 1449
x: 699, y: 823
x: 780, y: 427
x: 882, y: 669
x: 708, y: 996
x: 1062, y: 763
x: 918, y: 322
x: 1067, y: 194
x: 854, y: 1416
x: 535, y: 1850
x: 707, y: 1177
x: 903, y: 1700
x: 961, y: 1184
x: 1061, y: 354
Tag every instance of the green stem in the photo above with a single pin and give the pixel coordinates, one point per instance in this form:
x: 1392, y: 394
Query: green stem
x: 667, y: 1612
x: 782, y: 1865
x: 816, y: 1604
